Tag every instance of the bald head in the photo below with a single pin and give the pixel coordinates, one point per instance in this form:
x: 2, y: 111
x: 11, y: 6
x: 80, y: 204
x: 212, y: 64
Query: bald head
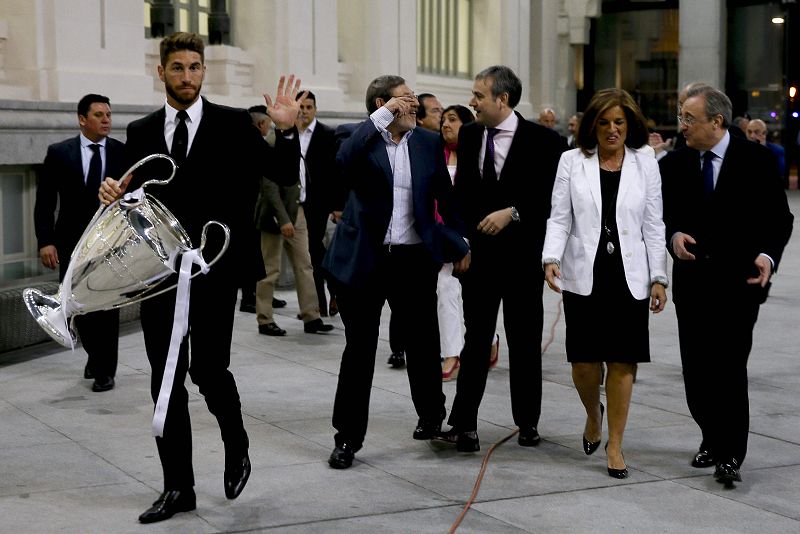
x: 547, y: 117
x: 757, y: 131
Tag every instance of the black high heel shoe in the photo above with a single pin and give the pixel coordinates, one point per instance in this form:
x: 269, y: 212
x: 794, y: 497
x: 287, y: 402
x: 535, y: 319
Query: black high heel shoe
x: 589, y: 446
x: 617, y: 473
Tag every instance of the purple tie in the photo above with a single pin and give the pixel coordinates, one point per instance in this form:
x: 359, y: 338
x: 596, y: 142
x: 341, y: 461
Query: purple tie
x: 489, y: 173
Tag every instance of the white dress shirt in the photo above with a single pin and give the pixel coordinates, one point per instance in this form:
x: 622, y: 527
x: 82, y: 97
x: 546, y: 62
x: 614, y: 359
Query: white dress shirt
x: 195, y: 112
x: 305, y: 140
x: 401, y: 227
x: 502, y: 142
x: 87, y: 153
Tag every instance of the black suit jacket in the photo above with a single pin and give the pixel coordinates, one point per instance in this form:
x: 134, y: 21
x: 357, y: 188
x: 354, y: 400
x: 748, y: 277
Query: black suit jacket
x: 322, y: 182
x: 526, y: 182
x: 219, y: 179
x: 365, y: 167
x: 62, y: 181
x: 747, y: 215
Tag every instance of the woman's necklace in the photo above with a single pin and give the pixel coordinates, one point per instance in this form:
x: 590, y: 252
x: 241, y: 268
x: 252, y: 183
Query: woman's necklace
x: 604, y: 164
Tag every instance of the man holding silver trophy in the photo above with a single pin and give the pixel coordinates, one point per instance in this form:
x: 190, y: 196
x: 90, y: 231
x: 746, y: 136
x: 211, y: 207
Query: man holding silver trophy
x: 221, y: 157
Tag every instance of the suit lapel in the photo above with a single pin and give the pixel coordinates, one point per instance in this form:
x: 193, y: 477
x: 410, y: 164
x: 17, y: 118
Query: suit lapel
x: 517, y: 145
x: 628, y: 174
x: 75, y: 162
x: 591, y: 170
x: 382, y: 158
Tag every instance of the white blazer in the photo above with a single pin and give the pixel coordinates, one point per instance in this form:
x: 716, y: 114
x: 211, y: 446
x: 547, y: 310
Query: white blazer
x: 573, y: 229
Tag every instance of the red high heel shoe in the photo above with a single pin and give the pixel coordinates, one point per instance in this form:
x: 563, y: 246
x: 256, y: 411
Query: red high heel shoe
x: 493, y: 359
x: 450, y: 374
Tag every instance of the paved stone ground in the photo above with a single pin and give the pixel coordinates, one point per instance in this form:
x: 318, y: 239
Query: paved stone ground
x: 76, y: 461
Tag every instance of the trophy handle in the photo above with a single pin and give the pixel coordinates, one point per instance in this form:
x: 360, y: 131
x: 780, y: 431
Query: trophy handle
x: 227, y: 242
x: 147, y: 159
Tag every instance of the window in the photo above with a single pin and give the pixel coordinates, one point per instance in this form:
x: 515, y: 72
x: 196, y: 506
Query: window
x: 443, y: 37
x: 163, y: 17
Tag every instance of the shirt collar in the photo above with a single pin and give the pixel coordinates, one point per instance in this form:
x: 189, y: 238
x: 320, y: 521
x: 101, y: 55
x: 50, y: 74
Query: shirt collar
x: 720, y: 148
x: 85, y: 141
x: 509, y: 124
x: 195, y: 111
x: 311, y: 127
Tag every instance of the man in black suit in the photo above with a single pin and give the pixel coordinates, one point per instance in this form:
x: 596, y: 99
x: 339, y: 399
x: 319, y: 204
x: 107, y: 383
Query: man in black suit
x: 504, y: 179
x: 318, y: 176
x: 70, y: 177
x: 727, y: 222
x: 221, y: 157
x: 388, y: 246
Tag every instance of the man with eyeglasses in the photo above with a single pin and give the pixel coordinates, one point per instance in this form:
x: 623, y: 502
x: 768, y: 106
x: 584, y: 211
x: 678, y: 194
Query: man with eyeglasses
x: 389, y: 246
x: 727, y: 223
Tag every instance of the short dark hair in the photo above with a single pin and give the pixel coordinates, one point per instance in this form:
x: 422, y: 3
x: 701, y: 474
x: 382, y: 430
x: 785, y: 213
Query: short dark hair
x: 503, y: 81
x: 717, y: 103
x: 258, y: 109
x: 421, y: 99
x: 181, y: 41
x: 86, y: 102
x: 463, y: 112
x: 381, y: 87
x: 602, y: 101
x: 309, y: 96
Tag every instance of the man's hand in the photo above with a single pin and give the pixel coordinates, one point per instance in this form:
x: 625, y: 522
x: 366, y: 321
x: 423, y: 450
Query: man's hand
x: 287, y: 230
x: 493, y: 223
x: 463, y: 264
x: 401, y: 105
x: 110, y: 190
x: 679, y: 242
x: 551, y: 272
x: 336, y: 216
x: 49, y: 256
x: 657, y: 142
x: 764, y: 271
x: 286, y: 107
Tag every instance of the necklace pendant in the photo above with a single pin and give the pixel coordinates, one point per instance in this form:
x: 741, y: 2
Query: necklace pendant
x: 610, y: 247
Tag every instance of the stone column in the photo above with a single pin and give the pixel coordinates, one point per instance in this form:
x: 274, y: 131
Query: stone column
x: 702, y: 43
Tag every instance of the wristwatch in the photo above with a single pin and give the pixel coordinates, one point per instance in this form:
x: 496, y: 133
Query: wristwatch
x: 514, y: 214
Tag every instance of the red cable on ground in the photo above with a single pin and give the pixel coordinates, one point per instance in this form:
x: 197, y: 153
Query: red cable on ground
x: 485, y: 462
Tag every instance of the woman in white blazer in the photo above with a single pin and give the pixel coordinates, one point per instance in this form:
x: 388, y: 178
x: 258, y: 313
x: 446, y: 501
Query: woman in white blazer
x: 605, y: 249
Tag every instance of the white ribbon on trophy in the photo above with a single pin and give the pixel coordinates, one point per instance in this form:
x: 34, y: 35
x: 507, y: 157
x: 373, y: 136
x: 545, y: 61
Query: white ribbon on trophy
x: 128, y: 249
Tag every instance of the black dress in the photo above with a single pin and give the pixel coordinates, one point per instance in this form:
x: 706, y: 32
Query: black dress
x: 609, y: 325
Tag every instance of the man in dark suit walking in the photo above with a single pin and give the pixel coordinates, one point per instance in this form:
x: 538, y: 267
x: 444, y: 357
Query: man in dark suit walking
x: 221, y: 157
x: 727, y: 222
x: 70, y: 178
x: 388, y: 246
x: 504, y: 179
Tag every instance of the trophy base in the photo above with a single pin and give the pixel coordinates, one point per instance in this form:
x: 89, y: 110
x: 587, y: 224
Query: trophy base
x: 46, y: 309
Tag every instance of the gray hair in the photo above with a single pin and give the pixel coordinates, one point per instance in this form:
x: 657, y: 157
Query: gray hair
x: 717, y: 102
x: 381, y: 87
x: 504, y: 81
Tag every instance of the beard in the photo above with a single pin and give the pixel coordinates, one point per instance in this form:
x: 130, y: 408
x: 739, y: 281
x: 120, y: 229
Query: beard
x: 185, y: 100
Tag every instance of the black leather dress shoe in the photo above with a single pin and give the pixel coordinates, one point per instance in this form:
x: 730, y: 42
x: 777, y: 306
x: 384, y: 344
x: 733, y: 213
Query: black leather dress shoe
x: 427, y: 429
x: 278, y: 303
x: 464, y: 441
x: 703, y: 458
x: 342, y: 456
x: 271, y: 329
x: 247, y: 307
x: 316, y: 326
x: 727, y: 472
x: 397, y: 360
x: 103, y: 383
x: 87, y: 373
x: 168, y: 504
x: 236, y: 476
x: 528, y: 437
x: 333, y: 308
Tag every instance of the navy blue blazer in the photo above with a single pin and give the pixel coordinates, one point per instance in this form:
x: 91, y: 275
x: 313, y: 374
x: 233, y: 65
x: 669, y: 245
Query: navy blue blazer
x: 368, y: 177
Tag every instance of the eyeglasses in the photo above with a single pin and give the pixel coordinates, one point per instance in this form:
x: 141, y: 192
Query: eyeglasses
x: 687, y: 120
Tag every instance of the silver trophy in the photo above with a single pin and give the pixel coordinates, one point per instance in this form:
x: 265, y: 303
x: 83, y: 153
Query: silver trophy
x: 128, y: 249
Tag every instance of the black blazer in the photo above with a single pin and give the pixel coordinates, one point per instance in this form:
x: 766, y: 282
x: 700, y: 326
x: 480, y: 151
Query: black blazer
x: 221, y: 175
x: 747, y: 215
x: 368, y: 178
x: 61, y: 181
x: 322, y: 180
x: 526, y: 182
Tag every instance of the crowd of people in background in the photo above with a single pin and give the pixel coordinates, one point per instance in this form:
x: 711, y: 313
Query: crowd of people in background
x: 437, y: 210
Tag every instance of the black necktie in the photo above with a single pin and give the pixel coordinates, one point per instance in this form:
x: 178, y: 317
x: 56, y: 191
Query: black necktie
x: 708, y: 174
x: 489, y: 172
x: 180, y: 139
x: 95, y: 170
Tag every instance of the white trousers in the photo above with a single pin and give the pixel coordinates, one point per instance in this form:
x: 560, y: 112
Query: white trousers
x: 451, y: 312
